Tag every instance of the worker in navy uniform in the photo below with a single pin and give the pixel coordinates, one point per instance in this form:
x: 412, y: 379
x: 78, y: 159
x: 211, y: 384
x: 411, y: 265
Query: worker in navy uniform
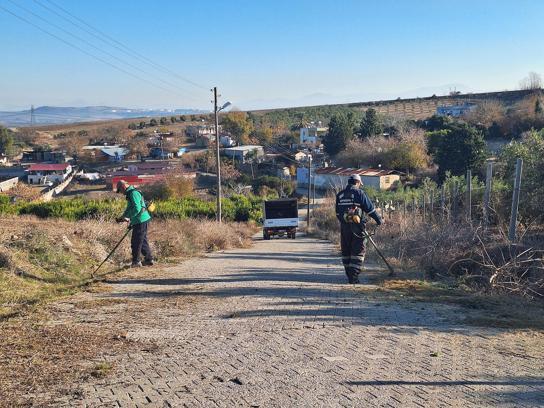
x: 351, y: 206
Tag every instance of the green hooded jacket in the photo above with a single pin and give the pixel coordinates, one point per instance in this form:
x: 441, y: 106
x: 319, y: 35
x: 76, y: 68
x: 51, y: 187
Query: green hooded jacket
x: 136, y: 210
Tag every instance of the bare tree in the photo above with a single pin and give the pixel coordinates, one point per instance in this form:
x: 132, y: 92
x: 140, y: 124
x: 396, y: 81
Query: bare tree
x: 487, y: 113
x: 531, y: 81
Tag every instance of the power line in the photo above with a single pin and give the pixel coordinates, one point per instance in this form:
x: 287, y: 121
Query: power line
x: 285, y: 156
x: 113, y: 42
x: 88, y: 53
x: 99, y: 49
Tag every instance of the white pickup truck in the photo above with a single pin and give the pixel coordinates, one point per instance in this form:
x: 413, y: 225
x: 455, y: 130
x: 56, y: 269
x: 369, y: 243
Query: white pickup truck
x: 280, y: 217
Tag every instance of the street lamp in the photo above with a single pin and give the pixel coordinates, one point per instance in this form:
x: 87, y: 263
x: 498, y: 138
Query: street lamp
x: 217, y: 161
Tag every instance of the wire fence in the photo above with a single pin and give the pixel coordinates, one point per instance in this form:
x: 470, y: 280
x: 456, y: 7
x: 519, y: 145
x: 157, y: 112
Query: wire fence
x: 470, y: 202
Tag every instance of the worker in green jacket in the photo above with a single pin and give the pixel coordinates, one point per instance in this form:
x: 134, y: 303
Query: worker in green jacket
x: 138, y: 217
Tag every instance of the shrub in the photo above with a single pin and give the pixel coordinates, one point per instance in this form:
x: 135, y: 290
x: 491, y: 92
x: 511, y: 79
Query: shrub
x: 236, y: 207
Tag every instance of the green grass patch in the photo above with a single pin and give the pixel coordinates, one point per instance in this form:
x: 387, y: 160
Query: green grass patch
x: 235, y: 208
x: 101, y: 370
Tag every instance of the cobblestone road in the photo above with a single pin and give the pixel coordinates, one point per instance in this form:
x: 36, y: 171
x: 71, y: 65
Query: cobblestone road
x: 274, y: 326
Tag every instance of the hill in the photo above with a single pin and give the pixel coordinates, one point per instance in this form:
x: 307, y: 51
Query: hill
x: 411, y: 108
x: 48, y: 115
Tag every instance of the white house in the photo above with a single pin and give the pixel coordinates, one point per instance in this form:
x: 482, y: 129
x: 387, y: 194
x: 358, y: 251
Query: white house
x: 114, y: 153
x: 240, y: 153
x: 455, y: 110
x: 336, y: 178
x: 301, y: 156
x: 200, y: 130
x: 44, y: 173
x: 311, y: 135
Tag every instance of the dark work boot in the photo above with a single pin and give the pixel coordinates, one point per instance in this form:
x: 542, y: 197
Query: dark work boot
x: 136, y: 264
x: 148, y: 262
x: 353, y: 277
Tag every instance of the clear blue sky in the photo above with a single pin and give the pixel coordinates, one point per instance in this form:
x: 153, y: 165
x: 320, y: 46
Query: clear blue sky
x: 270, y: 53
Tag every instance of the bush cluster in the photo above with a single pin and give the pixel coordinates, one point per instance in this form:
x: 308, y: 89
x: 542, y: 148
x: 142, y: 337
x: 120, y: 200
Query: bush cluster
x: 235, y: 208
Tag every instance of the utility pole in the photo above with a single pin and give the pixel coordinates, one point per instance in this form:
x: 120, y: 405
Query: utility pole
x: 217, y: 161
x: 309, y: 190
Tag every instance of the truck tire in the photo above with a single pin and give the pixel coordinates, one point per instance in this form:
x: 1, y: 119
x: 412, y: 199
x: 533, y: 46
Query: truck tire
x: 266, y: 236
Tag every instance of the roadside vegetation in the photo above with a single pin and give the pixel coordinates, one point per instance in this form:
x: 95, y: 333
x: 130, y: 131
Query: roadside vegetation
x: 43, y: 259
x: 235, y: 208
x: 427, y: 231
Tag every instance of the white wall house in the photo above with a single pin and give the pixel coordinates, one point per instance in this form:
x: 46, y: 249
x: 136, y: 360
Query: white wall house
x: 44, y: 173
x: 336, y: 178
x: 312, y: 135
x: 240, y: 153
x: 301, y: 156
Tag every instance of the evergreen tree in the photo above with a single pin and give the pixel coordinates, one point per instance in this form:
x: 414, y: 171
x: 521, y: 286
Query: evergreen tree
x: 457, y: 148
x: 341, y: 130
x: 6, y: 142
x: 371, y: 125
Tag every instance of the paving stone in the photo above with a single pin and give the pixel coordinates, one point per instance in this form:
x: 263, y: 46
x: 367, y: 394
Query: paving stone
x: 276, y: 326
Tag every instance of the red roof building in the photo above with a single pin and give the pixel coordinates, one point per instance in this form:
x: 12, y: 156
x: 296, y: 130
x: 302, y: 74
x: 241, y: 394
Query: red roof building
x: 49, y: 167
x: 42, y: 173
x: 336, y: 178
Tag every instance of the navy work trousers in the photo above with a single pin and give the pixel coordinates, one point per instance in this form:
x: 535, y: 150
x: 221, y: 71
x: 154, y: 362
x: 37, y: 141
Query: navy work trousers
x: 352, y: 244
x: 139, y: 242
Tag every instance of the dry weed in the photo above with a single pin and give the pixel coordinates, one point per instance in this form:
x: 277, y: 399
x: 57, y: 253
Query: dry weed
x: 447, y: 249
x: 34, y: 356
x: 40, y: 259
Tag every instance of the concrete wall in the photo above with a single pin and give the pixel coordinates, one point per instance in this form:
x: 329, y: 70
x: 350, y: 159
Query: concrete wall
x: 387, y: 182
x: 48, y: 196
x: 37, y: 178
x: 8, y: 184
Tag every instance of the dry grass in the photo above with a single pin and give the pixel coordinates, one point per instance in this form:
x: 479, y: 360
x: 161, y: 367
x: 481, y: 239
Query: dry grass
x: 324, y: 222
x: 44, y: 259
x: 481, y: 309
x: 459, y: 264
x: 25, y: 192
x: 39, y: 357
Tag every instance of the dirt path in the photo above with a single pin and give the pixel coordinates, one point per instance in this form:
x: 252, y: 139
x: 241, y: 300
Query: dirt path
x: 275, y: 326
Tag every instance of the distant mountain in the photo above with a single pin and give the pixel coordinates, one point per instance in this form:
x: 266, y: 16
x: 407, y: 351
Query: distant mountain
x: 52, y: 115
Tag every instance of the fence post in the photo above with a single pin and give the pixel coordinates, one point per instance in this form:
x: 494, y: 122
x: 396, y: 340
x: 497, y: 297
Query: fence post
x: 389, y: 205
x: 454, y: 203
x: 487, y: 192
x: 469, y: 195
x: 432, y: 205
x: 515, y: 201
x: 424, y: 207
x: 414, y: 209
x: 443, y: 201
x: 451, y: 193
